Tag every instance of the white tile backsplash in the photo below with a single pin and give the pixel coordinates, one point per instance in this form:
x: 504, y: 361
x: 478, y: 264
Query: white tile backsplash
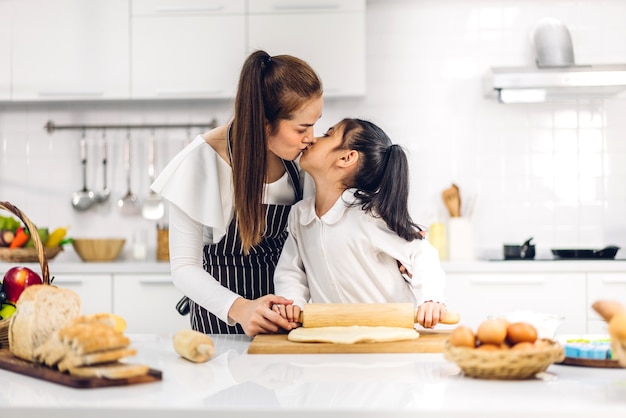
x: 554, y: 171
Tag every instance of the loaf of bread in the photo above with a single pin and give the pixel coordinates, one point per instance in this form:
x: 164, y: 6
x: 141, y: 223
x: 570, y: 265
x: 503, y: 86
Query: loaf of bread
x: 40, y: 311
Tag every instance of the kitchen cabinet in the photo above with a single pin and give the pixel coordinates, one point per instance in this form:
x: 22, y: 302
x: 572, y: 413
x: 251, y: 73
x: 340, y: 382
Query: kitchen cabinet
x: 70, y: 50
x: 302, y: 29
x: 186, y: 49
x: 476, y: 296
x: 609, y: 286
x: 5, y: 50
x: 94, y: 290
x: 147, y: 302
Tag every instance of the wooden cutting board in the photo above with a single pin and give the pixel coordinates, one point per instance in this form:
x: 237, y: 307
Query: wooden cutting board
x: 428, y: 342
x: 9, y: 362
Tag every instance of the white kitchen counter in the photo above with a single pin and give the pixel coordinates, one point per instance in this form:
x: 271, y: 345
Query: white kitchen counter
x: 236, y: 384
x: 72, y: 264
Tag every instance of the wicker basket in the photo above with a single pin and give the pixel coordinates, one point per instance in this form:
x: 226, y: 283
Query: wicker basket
x: 26, y: 255
x: 41, y: 257
x: 504, y: 364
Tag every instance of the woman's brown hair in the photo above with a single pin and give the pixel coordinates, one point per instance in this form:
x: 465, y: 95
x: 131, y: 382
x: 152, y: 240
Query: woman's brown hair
x: 270, y: 89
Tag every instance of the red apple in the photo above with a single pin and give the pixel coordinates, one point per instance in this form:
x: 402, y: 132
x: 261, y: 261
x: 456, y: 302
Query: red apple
x: 16, y: 280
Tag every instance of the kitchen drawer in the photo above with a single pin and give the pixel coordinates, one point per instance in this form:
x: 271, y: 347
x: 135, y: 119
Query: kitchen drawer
x: 148, y: 303
x: 476, y: 296
x: 170, y: 7
x: 291, y: 6
x: 94, y: 290
x: 610, y: 286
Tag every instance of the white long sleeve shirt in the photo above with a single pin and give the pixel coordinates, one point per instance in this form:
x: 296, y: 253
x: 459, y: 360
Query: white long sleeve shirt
x: 198, y: 185
x: 349, y: 256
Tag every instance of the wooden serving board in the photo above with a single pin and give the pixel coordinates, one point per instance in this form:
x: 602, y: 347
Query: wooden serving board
x: 428, y: 342
x: 587, y: 362
x: 9, y: 362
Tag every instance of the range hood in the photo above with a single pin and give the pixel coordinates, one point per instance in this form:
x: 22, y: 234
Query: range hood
x: 555, y: 76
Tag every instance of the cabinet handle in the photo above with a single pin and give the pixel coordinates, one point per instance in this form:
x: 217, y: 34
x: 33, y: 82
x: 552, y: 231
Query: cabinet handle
x: 187, y: 92
x: 58, y: 93
x: 156, y: 281
x: 620, y: 279
x: 305, y: 6
x: 188, y: 9
x: 69, y: 281
x: 508, y: 282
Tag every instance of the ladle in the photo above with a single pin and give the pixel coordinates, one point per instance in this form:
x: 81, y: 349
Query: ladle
x: 129, y: 203
x: 103, y: 196
x: 153, y: 206
x: 83, y: 199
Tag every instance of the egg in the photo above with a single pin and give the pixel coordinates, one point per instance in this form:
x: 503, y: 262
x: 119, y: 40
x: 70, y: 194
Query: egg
x: 519, y: 332
x: 492, y: 331
x: 489, y: 347
x: 524, y: 345
x: 463, y: 336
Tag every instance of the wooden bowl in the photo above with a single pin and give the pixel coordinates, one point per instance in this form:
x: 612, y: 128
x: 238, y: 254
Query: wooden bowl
x: 98, y: 249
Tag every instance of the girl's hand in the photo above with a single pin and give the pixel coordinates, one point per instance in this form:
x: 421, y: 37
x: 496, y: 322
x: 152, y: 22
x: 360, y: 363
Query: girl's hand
x: 257, y: 317
x: 430, y: 313
x: 290, y: 312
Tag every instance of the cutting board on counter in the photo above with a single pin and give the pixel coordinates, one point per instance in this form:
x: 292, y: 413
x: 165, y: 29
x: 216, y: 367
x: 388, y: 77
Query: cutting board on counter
x: 428, y: 342
x: 9, y: 362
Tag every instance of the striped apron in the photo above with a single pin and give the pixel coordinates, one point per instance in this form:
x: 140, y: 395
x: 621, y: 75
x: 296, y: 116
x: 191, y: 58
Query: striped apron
x: 251, y: 275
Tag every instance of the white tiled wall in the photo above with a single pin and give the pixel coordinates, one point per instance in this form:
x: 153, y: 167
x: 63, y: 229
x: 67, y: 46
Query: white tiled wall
x: 556, y: 172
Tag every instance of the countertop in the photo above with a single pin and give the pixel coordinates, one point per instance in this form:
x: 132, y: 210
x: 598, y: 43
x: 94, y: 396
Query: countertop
x: 237, y: 384
x: 69, y: 263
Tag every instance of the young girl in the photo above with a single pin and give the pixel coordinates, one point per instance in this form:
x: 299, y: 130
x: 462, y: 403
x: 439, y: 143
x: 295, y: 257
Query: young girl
x: 345, y: 243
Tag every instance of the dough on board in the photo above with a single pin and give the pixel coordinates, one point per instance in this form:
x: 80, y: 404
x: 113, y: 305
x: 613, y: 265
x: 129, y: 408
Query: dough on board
x: 351, y: 335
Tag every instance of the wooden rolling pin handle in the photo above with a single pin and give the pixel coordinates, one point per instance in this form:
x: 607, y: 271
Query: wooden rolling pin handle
x: 450, y: 318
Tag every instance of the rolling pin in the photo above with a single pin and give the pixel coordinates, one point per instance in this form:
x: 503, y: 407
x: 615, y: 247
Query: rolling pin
x: 365, y: 314
x: 193, y: 346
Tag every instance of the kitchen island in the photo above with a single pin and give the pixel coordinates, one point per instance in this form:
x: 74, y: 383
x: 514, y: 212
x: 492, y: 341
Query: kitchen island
x: 237, y: 384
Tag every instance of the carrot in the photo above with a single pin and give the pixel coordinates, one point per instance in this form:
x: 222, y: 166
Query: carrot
x: 21, y: 238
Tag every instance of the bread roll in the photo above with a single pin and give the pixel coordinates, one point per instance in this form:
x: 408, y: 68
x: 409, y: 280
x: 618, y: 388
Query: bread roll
x: 40, y: 311
x: 607, y: 308
x: 193, y: 345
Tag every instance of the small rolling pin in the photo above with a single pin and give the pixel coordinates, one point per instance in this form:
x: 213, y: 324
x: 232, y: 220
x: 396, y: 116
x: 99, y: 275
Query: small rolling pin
x: 365, y: 314
x: 193, y: 346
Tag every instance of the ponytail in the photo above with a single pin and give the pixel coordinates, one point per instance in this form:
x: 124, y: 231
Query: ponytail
x: 382, y: 176
x: 270, y: 89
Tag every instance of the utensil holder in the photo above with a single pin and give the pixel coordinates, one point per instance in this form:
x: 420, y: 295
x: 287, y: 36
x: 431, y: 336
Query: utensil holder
x: 460, y: 239
x: 163, y: 243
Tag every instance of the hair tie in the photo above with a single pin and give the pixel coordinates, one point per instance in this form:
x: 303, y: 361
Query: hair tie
x: 267, y: 61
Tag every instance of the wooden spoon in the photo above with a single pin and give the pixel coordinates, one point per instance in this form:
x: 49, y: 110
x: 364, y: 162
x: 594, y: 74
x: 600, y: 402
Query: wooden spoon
x: 452, y: 200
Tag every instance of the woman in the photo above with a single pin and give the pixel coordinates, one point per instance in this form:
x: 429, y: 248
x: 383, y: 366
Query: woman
x: 345, y: 242
x: 230, y: 192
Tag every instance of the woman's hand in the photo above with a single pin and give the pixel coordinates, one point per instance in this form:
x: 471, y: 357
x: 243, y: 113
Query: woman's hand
x: 290, y: 312
x: 430, y: 313
x: 257, y: 317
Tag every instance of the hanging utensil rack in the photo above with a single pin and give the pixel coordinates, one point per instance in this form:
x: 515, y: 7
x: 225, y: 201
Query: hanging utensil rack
x: 51, y: 127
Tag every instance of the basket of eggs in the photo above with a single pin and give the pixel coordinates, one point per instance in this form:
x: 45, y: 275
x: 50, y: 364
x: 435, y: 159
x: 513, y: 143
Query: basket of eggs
x: 500, y: 349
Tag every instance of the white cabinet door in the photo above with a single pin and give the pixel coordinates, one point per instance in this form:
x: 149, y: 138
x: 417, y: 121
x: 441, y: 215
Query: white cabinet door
x: 476, y: 296
x: 187, y: 49
x: 328, y: 35
x: 608, y: 286
x: 94, y: 290
x: 5, y: 50
x: 70, y: 49
x: 148, y: 303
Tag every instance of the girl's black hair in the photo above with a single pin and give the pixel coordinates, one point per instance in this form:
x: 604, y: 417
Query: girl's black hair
x: 382, y: 176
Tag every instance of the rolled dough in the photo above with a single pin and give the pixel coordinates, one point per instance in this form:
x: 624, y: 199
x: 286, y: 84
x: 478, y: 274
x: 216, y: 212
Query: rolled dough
x: 351, y: 335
